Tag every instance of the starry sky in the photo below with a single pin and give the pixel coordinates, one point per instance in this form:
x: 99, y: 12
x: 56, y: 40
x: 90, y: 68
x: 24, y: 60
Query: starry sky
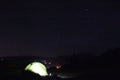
x: 53, y: 28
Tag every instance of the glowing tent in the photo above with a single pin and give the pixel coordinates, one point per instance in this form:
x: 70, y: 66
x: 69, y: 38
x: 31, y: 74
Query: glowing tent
x: 38, y: 68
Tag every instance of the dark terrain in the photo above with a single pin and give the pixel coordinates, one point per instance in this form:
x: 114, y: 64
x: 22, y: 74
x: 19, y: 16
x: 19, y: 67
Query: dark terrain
x: 80, y: 67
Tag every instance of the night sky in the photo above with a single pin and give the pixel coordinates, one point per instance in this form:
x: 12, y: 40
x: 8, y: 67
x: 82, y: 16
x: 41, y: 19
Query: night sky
x: 53, y: 28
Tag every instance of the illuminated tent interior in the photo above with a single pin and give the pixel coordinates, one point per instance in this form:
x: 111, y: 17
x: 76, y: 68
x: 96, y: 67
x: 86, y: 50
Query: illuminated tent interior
x: 37, y: 68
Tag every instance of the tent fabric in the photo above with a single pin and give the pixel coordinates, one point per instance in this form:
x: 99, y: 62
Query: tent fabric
x: 38, y: 68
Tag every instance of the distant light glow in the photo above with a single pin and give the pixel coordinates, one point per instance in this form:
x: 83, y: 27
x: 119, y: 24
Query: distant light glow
x: 49, y: 63
x: 58, y: 66
x: 50, y: 74
x: 38, y: 68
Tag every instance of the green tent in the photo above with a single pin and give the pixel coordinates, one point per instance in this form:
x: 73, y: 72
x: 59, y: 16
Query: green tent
x: 38, y: 68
